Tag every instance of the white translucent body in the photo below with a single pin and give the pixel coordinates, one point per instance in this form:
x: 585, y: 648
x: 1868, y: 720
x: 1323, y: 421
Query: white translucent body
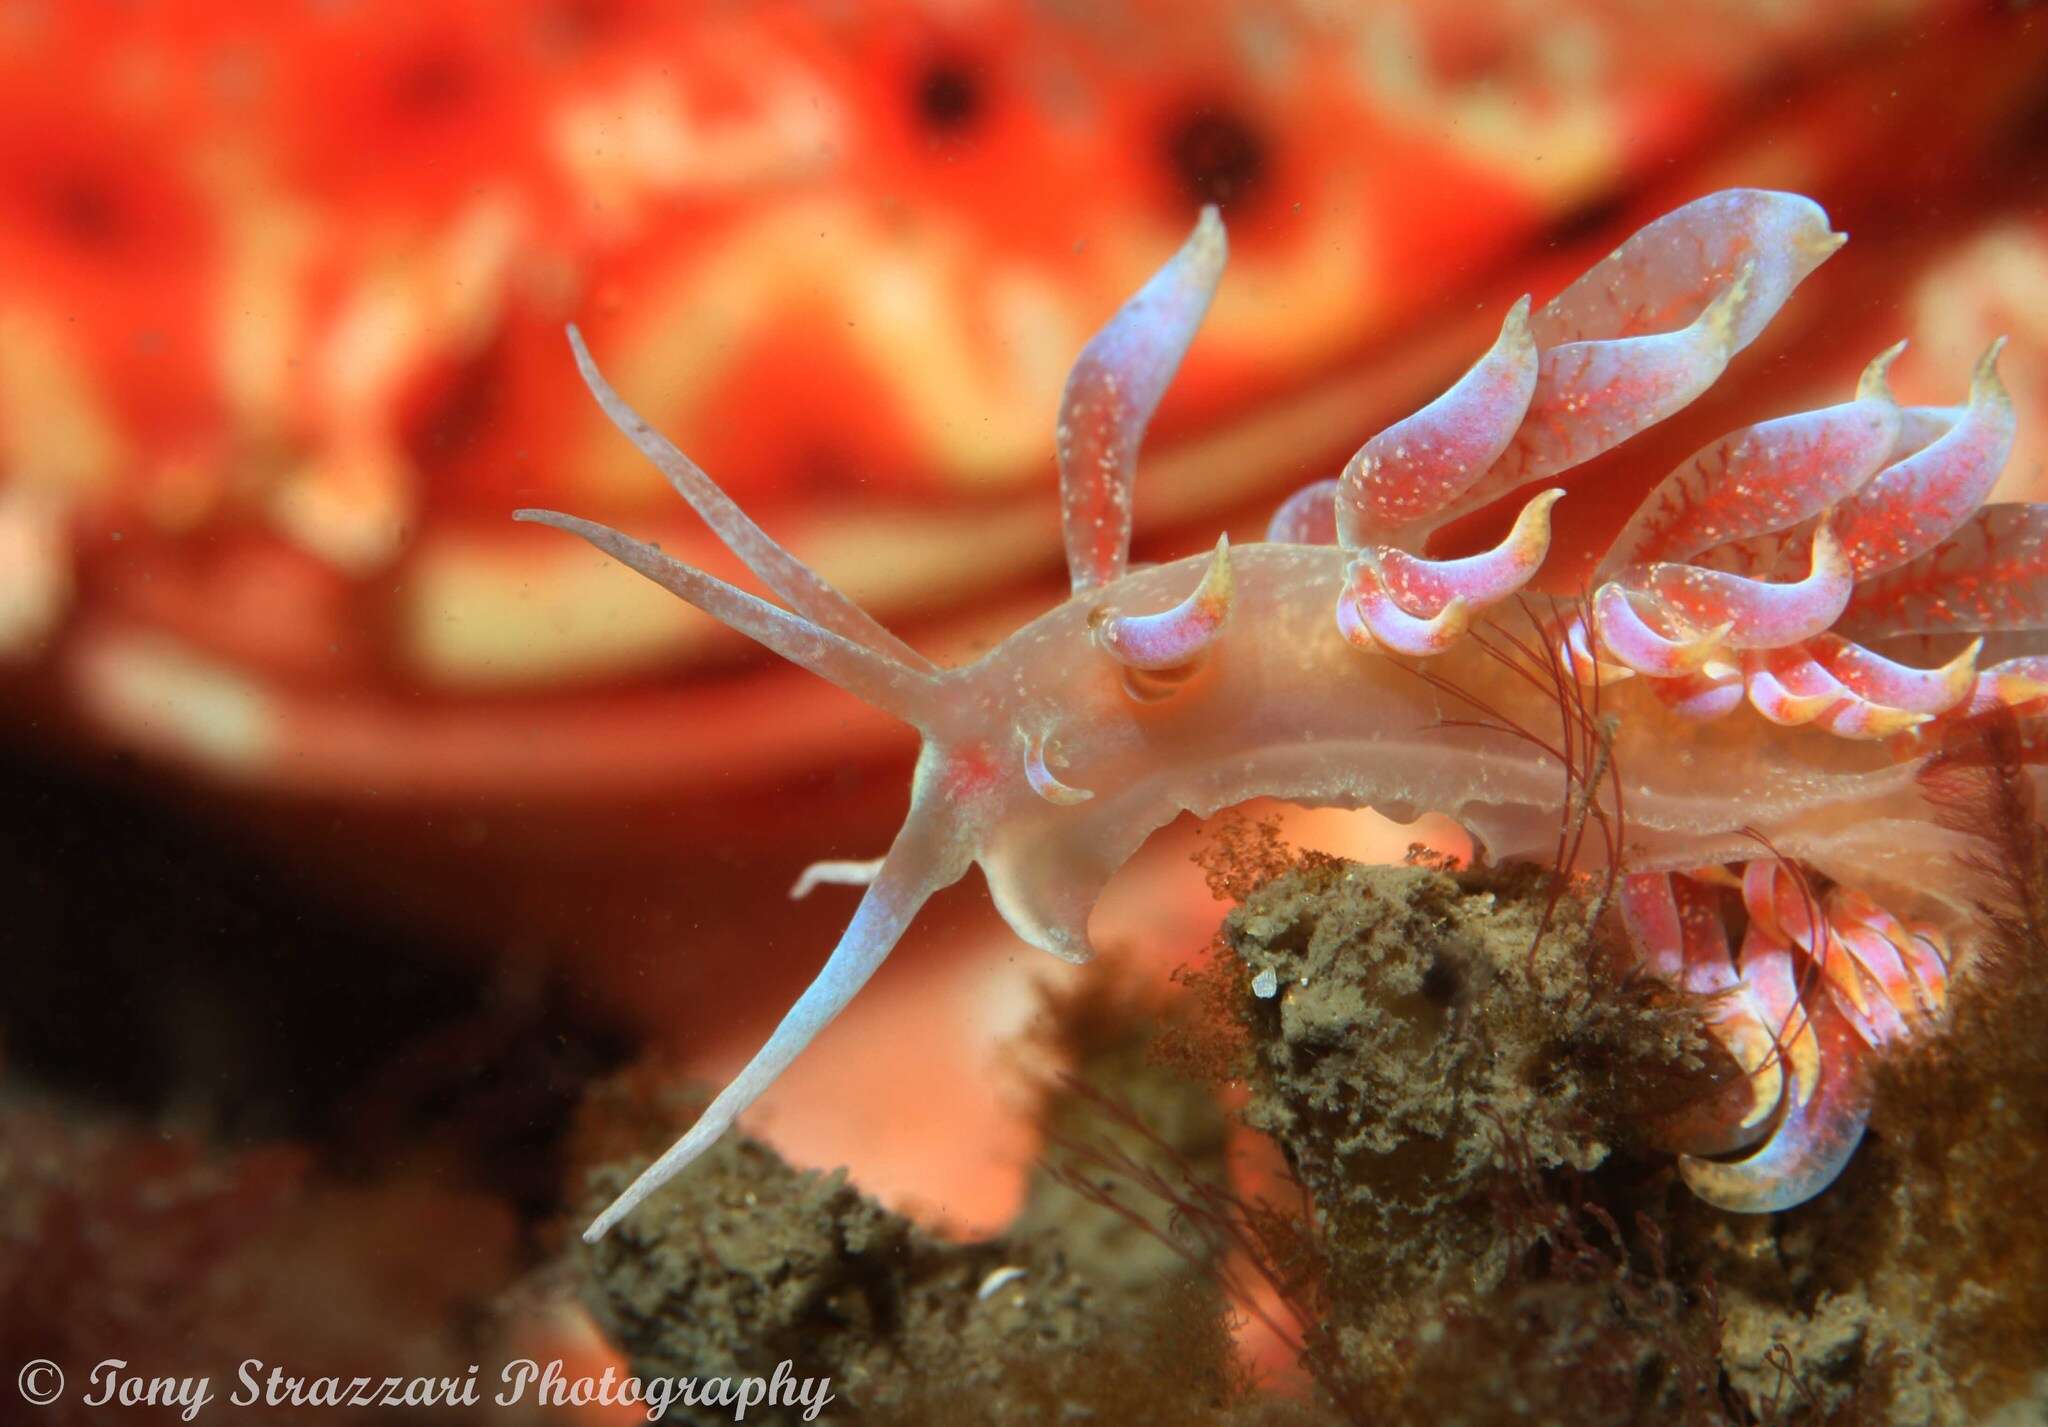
x: 1051, y: 759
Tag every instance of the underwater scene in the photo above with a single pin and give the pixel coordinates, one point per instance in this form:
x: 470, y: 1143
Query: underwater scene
x: 588, y: 586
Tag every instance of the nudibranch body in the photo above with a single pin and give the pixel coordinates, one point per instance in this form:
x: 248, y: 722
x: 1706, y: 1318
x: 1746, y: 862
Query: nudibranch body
x: 1289, y: 668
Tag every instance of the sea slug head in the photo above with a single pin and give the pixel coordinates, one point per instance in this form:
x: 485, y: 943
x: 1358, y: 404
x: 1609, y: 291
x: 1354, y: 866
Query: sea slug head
x: 997, y: 734
x: 1034, y: 748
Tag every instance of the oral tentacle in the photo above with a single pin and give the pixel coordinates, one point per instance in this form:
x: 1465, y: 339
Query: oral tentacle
x: 834, y: 872
x: 921, y: 862
x: 1115, y: 386
x: 806, y: 592
x: 872, y: 676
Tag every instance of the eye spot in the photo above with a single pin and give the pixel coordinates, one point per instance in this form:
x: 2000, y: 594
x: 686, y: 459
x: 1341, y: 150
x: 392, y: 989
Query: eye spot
x: 1217, y: 155
x: 949, y: 96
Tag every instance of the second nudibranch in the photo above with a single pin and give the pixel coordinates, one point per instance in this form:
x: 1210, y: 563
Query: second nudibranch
x: 1797, y: 566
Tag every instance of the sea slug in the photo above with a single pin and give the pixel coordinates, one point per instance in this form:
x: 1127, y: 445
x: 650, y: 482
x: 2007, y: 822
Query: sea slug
x: 1776, y: 638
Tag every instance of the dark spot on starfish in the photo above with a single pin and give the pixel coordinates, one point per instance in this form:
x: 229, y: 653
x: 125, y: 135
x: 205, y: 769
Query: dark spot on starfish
x: 949, y: 96
x: 1217, y: 155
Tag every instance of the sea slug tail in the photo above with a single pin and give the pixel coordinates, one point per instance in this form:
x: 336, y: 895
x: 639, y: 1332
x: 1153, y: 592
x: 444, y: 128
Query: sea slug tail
x: 1820, y: 1122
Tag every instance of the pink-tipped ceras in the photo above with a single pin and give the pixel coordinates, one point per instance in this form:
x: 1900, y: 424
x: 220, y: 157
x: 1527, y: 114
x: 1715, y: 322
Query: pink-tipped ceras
x: 1805, y: 566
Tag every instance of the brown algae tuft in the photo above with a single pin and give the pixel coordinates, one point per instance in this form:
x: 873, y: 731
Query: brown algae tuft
x: 1409, y: 1052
